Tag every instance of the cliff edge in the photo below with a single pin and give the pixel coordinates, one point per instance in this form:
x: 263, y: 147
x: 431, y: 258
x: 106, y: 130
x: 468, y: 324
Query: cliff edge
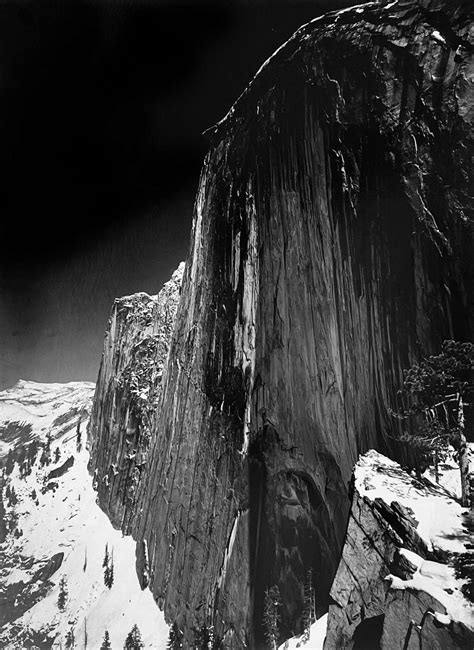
x: 331, y: 247
x: 400, y: 582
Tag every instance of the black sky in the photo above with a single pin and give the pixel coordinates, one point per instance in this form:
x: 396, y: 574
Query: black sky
x: 102, y: 106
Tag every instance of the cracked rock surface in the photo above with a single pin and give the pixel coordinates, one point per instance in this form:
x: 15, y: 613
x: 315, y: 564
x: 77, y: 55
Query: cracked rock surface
x: 396, y: 586
x: 127, y: 396
x: 331, y: 247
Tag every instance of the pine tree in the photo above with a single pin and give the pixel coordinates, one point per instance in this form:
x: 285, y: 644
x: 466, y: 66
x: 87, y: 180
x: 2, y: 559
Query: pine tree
x: 21, y: 454
x: 106, y: 645
x: 70, y: 638
x: 105, y: 561
x: 175, y: 639
x: 3, y: 520
x: 109, y: 575
x: 134, y: 639
x: 434, y: 395
x: 12, y: 498
x: 62, y: 596
x: 25, y: 469
x: 32, y: 451
x: 108, y: 564
x: 309, y: 614
x: 271, y: 616
x: 46, y: 454
x: 13, y: 522
x: 203, y: 637
x: 10, y: 464
x: 78, y: 436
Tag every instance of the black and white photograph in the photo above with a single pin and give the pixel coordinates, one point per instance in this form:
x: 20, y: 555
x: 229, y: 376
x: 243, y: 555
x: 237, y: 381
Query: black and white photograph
x: 236, y: 325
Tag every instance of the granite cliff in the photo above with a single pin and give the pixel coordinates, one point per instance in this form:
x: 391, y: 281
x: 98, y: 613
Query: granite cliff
x: 400, y: 582
x: 127, y: 396
x: 330, y: 248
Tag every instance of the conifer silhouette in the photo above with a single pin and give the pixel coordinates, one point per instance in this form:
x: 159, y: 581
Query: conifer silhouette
x: 62, y: 597
x: 133, y: 640
x: 106, y: 645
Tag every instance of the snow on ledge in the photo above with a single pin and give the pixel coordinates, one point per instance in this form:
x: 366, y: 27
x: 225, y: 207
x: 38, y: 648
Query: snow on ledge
x: 440, y: 524
x: 440, y: 517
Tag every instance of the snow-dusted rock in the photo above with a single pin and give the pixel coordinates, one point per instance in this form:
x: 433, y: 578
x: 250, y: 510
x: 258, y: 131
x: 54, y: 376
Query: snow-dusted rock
x: 128, y: 391
x: 397, y: 582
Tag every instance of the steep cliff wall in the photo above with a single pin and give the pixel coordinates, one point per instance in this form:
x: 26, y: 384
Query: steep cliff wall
x: 398, y: 583
x: 330, y: 248
x: 127, y: 396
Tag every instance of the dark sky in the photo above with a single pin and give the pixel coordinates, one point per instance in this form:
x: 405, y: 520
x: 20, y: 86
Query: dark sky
x: 102, y: 107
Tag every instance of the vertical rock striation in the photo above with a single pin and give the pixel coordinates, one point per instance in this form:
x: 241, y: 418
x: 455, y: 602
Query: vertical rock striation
x: 330, y: 247
x: 127, y: 396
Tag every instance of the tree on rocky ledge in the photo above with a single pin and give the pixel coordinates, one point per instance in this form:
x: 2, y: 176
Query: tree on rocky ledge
x: 175, y: 639
x: 204, y: 638
x: 434, y: 395
x: 271, y: 616
x: 70, y: 638
x: 309, y: 612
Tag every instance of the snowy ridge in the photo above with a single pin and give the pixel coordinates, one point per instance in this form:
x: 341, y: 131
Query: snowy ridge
x: 55, y: 531
x: 441, y: 525
x: 440, y: 517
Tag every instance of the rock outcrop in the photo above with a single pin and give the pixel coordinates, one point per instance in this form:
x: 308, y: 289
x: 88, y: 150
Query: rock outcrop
x: 127, y: 395
x: 331, y: 247
x: 400, y: 582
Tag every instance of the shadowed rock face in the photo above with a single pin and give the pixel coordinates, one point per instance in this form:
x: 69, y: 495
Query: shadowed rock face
x: 330, y: 249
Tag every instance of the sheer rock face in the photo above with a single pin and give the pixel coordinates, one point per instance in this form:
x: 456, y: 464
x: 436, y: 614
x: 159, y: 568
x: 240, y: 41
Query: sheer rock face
x: 330, y: 248
x: 127, y: 395
x: 396, y: 586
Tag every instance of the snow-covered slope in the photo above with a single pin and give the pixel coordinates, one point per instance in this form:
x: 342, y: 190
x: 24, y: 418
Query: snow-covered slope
x: 317, y: 634
x: 54, y: 531
x: 405, y: 578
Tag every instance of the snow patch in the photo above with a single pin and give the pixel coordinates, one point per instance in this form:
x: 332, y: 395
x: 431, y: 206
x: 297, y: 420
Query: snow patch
x: 440, y: 518
x: 440, y: 523
x: 316, y: 637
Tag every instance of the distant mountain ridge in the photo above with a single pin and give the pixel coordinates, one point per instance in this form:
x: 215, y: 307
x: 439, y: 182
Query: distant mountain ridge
x: 55, y: 534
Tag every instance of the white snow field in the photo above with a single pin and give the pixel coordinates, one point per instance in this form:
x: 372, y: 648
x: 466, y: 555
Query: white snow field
x: 57, y: 515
